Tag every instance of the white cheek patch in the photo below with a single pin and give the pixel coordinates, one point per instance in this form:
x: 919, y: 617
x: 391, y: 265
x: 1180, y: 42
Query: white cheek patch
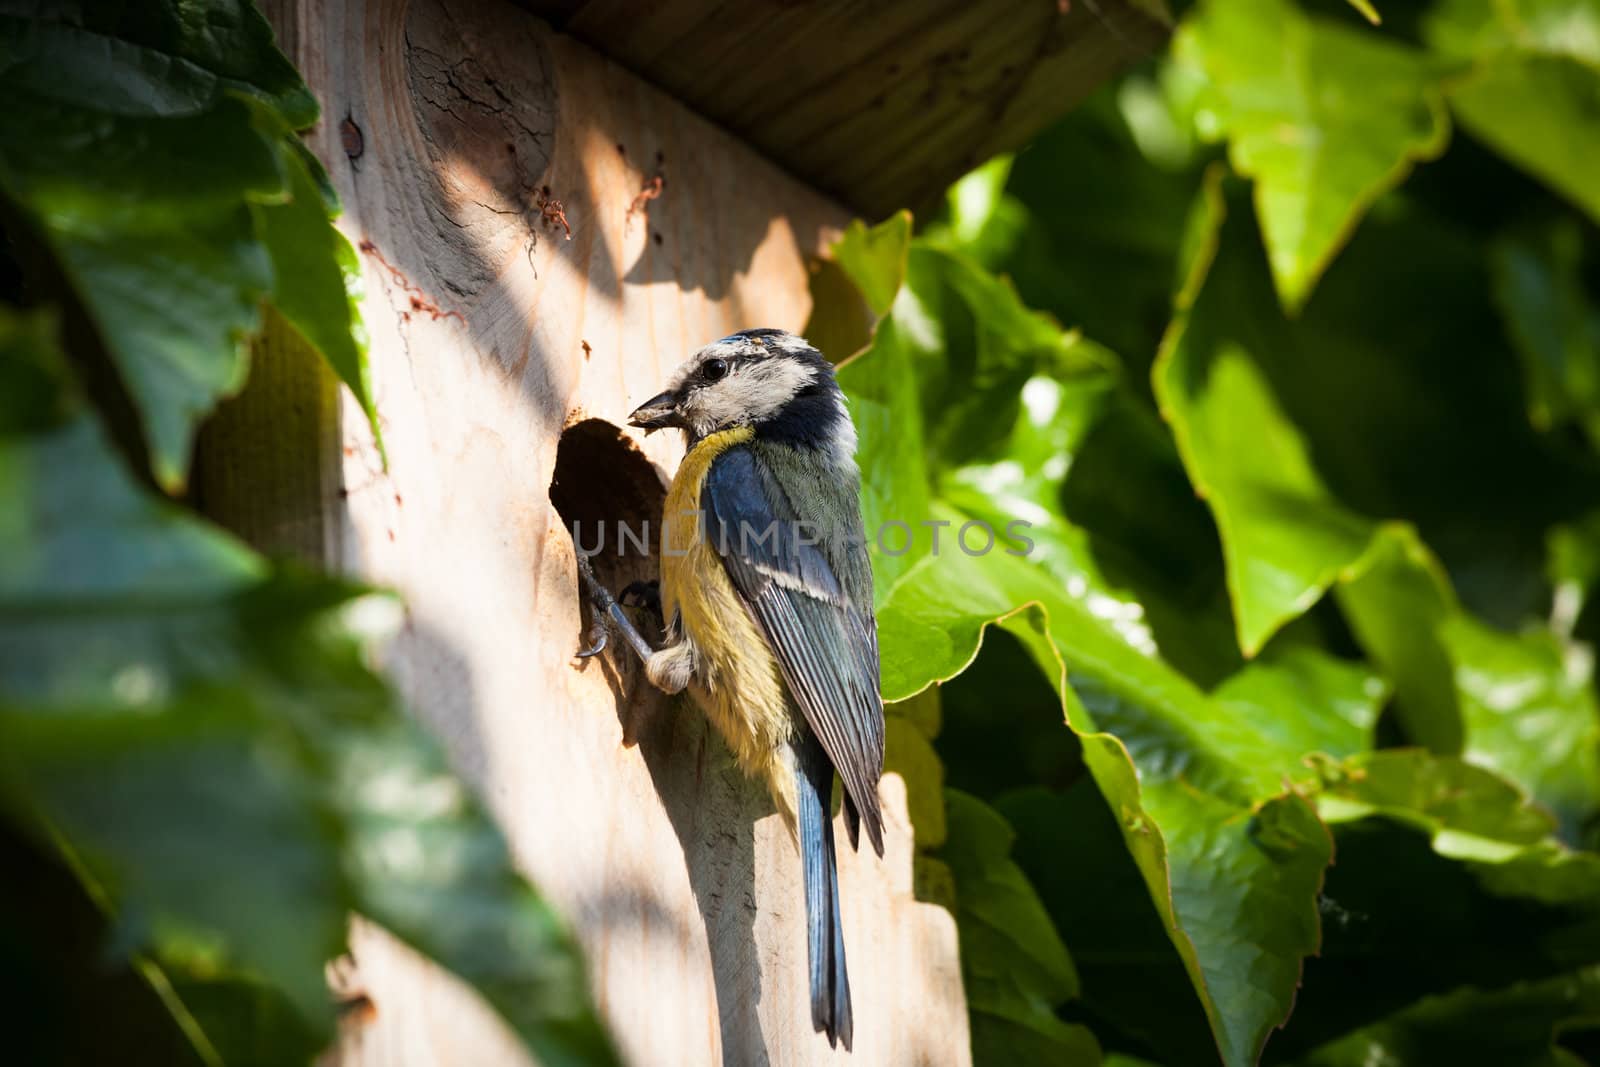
x: 754, y: 391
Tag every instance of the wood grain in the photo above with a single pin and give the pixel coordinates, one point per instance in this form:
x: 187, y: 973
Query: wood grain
x: 452, y: 129
x: 880, y: 104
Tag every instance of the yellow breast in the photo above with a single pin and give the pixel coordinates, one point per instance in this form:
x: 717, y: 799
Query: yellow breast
x: 737, y: 680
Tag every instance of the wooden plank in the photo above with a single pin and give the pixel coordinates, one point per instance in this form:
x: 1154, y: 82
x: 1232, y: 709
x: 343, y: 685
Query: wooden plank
x: 881, y: 104
x: 464, y: 137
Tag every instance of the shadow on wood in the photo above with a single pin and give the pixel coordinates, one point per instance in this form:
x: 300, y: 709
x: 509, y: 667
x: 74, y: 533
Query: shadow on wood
x: 491, y: 334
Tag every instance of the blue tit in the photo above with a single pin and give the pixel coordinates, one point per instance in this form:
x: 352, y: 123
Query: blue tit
x: 767, y: 592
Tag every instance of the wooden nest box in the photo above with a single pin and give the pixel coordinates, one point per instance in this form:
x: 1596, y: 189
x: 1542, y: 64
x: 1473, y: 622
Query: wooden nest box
x: 556, y: 204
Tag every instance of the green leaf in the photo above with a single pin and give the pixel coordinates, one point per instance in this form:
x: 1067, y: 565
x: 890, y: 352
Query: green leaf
x: 1532, y: 87
x: 1530, y: 711
x: 1014, y: 968
x: 149, y: 220
x: 318, y: 287
x: 162, y: 57
x: 245, y: 1023
x: 1541, y: 112
x: 909, y: 752
x: 1573, y: 570
x: 1470, y: 814
x: 846, y: 304
x: 1070, y: 846
x: 875, y: 258
x: 1522, y: 705
x: 1395, y: 605
x: 941, y: 370
x: 1108, y: 272
x: 978, y: 207
x: 1514, y: 1025
x: 1471, y: 28
x: 1335, y: 705
x: 231, y: 857
x: 1368, y: 12
x: 1539, y: 287
x: 965, y: 347
x: 149, y: 151
x: 1285, y: 538
x: 1323, y: 117
x: 204, y: 733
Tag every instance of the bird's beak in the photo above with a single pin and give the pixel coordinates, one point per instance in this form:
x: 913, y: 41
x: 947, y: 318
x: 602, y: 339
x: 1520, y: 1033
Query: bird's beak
x: 657, y: 413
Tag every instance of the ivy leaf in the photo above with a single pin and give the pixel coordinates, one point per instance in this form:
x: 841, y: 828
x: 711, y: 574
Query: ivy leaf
x: 1521, y: 705
x: 149, y: 220
x: 1014, y: 967
x: 1541, y: 112
x: 318, y: 280
x: 203, y: 733
x: 875, y: 258
x: 1515, y: 1024
x: 1235, y: 880
x: 1336, y: 703
x: 164, y: 57
x: 1323, y: 117
x: 1285, y: 538
x: 1531, y: 89
x: 1539, y: 288
x: 231, y: 858
x: 1395, y: 604
x: 150, y: 152
x: 1106, y: 272
x: 1530, y: 712
x: 1070, y: 845
x: 1470, y: 814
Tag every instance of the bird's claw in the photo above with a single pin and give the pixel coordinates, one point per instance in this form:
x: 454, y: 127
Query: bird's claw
x: 599, y: 635
x: 607, y: 614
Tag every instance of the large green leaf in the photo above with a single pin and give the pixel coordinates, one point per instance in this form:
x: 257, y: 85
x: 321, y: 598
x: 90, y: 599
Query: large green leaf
x: 1285, y: 537
x: 1532, y: 90
x: 205, y: 737
x: 149, y: 220
x: 1324, y: 117
x: 1231, y: 865
x: 149, y: 151
x: 1301, y: 698
x: 163, y: 57
x: 1014, y: 968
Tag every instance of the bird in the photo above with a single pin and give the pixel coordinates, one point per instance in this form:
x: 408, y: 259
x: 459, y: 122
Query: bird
x: 766, y: 597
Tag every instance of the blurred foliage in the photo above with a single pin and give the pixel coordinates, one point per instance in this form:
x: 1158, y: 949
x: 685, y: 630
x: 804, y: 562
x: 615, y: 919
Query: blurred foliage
x: 201, y: 775
x: 1283, y: 549
x: 1315, y: 757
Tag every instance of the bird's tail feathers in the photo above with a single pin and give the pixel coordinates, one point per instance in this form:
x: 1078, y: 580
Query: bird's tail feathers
x: 830, y: 984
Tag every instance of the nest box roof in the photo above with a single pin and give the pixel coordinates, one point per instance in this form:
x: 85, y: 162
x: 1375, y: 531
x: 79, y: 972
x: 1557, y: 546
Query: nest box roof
x: 879, y: 104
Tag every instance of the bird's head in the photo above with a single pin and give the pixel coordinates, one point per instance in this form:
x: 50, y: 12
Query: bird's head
x: 770, y: 380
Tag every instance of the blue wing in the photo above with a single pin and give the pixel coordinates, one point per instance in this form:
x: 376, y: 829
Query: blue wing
x: 825, y: 643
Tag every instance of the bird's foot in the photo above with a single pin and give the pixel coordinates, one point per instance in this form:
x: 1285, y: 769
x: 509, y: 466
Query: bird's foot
x: 607, y: 613
x: 646, y: 595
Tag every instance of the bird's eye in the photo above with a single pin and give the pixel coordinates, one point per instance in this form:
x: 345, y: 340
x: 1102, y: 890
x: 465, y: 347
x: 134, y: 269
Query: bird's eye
x: 715, y: 369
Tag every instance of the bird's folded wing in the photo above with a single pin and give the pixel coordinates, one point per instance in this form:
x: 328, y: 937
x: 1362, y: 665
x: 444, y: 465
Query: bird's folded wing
x: 823, y: 642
